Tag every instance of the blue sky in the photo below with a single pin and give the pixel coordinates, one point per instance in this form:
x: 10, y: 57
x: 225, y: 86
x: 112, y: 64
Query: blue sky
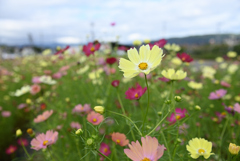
x: 70, y: 21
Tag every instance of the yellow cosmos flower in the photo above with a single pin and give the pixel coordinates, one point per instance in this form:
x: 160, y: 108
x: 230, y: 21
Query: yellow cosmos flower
x: 144, y: 62
x: 233, y: 149
x: 199, y: 147
x: 231, y: 54
x: 195, y: 85
x: 171, y: 74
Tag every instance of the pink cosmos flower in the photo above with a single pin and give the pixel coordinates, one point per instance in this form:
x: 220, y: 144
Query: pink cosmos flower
x: 113, y: 24
x: 22, y: 105
x: 159, y: 43
x: 61, y: 51
x: 109, y: 71
x: 11, y: 149
x: 135, y: 93
x: 142, y: 75
x: 179, y: 114
x: 6, y: 113
x: 90, y: 48
x: 22, y: 141
x: 105, y: 149
x: 150, y: 150
x: 124, y: 48
x: 64, y: 68
x: 36, y: 80
x: 75, y: 125
x: 220, y: 116
x: 95, y: 118
x: 35, y: 89
x: 183, y: 128
x: 236, y: 107
x: 120, y: 139
x: 85, y: 109
x: 57, y: 75
x: 43, y: 140
x: 47, y: 72
x: 164, y: 79
x: 217, y: 94
x: 225, y: 84
x: 43, y: 117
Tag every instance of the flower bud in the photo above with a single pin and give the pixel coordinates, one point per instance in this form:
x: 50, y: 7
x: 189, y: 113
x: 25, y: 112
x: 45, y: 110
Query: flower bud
x: 28, y: 101
x: 18, y: 132
x: 67, y: 99
x: 233, y: 149
x: 177, y: 98
x: 197, y: 107
x: 99, y: 109
x: 79, y: 131
x: 89, y: 141
x: 115, y: 83
x: 159, y: 113
x: 168, y: 101
x: 31, y: 132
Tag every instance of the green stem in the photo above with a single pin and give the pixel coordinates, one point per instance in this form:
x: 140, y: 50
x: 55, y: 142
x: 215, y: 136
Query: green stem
x: 129, y: 120
x: 25, y: 150
x: 143, y: 128
x: 221, y: 136
x: 103, y: 155
x: 170, y: 159
x: 77, y: 144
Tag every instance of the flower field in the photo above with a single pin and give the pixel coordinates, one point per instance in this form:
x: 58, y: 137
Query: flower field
x: 150, y: 102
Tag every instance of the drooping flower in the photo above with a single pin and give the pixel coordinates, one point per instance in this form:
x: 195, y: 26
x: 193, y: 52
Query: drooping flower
x: 144, y: 62
x: 177, y: 115
x: 11, y: 149
x: 185, y: 57
x: 199, y: 147
x: 217, y: 94
x: 43, y: 140
x: 172, y: 75
x: 85, y: 109
x: 35, y: 89
x: 150, y: 150
x: 43, y: 117
x: 90, y: 48
x: 120, y: 139
x: 105, y: 149
x: 233, y: 149
x: 135, y: 93
x: 95, y: 118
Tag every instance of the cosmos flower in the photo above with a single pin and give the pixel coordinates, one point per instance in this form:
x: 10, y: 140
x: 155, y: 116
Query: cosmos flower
x: 111, y: 60
x: 185, y: 57
x: 233, y: 149
x: 95, y: 118
x: 22, y: 91
x: 172, y: 75
x: 90, y: 48
x: 217, y: 94
x: 195, y: 85
x: 177, y: 115
x: 135, y: 93
x: 120, y: 139
x: 35, y: 89
x: 47, y: 80
x: 23, y: 142
x: 43, y: 140
x: 144, y: 62
x: 150, y: 150
x: 199, y: 147
x: 11, y: 149
x: 236, y: 107
x: 105, y: 149
x: 115, y: 83
x: 225, y: 84
x: 160, y: 43
x: 61, y: 51
x: 85, y: 109
x: 163, y: 79
x: 43, y: 117
x: 75, y: 125
x: 173, y: 47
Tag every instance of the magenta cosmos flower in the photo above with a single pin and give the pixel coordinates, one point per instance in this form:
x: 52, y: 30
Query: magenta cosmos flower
x: 43, y: 140
x: 90, y: 48
x: 95, y: 118
x: 135, y: 93
x: 217, y: 94
x: 120, y: 139
x: 43, y: 117
x: 185, y: 57
x: 11, y: 149
x: 179, y: 114
x: 105, y: 149
x: 150, y: 150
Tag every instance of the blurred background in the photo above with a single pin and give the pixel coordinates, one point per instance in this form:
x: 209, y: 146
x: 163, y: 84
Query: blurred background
x: 46, y: 24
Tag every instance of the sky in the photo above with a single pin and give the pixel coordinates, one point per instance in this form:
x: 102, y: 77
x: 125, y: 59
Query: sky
x: 81, y: 21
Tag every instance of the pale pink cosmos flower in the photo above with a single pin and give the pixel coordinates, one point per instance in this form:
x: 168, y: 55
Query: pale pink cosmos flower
x: 36, y: 80
x: 150, y: 150
x: 217, y: 94
x: 35, y: 89
x: 22, y: 105
x: 57, y: 75
x: 75, y: 125
x: 236, y: 107
x: 120, y: 139
x: 85, y: 109
x: 6, y: 113
x: 225, y: 84
x: 43, y: 140
x: 95, y: 118
x: 43, y: 117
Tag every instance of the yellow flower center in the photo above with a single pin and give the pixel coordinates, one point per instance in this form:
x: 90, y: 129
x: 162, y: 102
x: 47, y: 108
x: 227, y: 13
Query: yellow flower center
x: 105, y: 150
x: 143, y: 66
x: 94, y: 120
x: 178, y: 117
x: 92, y: 49
x: 146, y: 159
x: 201, y: 151
x: 45, y: 142
x: 136, y: 95
x: 118, y: 141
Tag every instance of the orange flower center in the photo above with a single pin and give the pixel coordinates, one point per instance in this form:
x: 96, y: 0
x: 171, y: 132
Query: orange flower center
x: 143, y: 66
x: 146, y: 159
x: 201, y: 151
x: 29, y: 131
x: 92, y: 49
x: 94, y: 120
x: 183, y: 59
x: 45, y: 142
x: 178, y: 117
x: 118, y: 141
x: 136, y: 95
x: 11, y: 150
x: 105, y: 150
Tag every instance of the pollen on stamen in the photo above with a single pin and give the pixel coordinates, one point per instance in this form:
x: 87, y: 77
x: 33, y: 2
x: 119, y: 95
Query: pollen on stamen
x: 94, y: 120
x: 143, y: 66
x: 45, y: 142
x: 136, y: 95
x: 118, y: 141
x: 92, y: 49
x: 201, y: 151
x: 146, y: 159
